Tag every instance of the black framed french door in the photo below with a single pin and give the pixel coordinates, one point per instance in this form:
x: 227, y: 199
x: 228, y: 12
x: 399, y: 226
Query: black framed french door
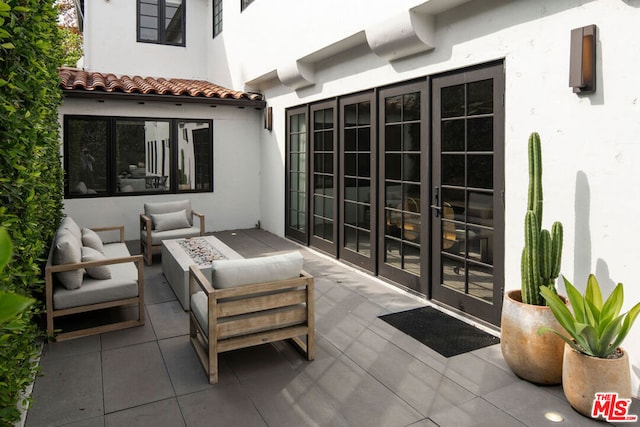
x: 358, y: 186
x: 296, y: 176
x: 403, y: 232
x: 467, y: 174
x: 323, y: 173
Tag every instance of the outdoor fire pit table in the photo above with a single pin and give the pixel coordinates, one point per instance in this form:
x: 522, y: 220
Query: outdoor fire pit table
x: 179, y: 254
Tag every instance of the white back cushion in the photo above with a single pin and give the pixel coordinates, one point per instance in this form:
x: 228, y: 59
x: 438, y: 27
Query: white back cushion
x: 237, y: 272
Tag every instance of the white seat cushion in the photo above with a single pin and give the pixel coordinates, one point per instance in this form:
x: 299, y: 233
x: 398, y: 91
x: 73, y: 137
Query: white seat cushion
x: 123, y: 283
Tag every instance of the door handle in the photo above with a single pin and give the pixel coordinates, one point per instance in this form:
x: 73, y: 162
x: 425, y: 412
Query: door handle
x: 436, y: 201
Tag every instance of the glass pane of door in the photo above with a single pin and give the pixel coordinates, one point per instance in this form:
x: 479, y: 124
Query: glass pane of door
x: 402, y: 129
x: 467, y: 189
x: 357, y: 178
x: 323, y: 174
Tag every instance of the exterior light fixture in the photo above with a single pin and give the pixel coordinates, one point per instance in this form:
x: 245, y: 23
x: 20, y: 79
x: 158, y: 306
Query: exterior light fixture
x: 268, y: 118
x: 582, y: 66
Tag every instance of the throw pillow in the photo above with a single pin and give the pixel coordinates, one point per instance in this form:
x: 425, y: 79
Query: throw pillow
x: 67, y: 251
x: 170, y: 221
x: 100, y: 272
x: 91, y: 239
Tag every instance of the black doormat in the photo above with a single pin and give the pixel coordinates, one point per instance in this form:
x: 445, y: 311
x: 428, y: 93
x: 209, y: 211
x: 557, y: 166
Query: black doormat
x: 439, y: 331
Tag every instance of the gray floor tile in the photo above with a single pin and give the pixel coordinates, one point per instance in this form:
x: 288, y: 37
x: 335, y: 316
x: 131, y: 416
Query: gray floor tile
x: 220, y: 406
x: 92, y: 422
x: 362, y: 400
x: 54, y: 350
x: 134, y: 375
x: 168, y: 319
x: 255, y: 361
x: 529, y: 404
x: 475, y: 413
x: 129, y: 336
x: 293, y: 400
x: 422, y: 387
x: 68, y: 389
x: 165, y: 413
x: 156, y: 288
x: 477, y: 375
x: 186, y: 373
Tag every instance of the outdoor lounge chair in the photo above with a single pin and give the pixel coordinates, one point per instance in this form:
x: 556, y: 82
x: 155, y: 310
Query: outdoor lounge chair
x: 167, y: 220
x: 250, y: 302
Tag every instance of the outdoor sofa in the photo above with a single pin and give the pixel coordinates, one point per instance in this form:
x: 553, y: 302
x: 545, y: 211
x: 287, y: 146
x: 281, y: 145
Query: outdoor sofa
x: 83, y: 274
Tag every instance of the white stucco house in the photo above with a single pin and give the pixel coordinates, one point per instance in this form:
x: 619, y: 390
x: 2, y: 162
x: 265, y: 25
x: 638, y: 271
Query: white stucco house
x: 390, y: 135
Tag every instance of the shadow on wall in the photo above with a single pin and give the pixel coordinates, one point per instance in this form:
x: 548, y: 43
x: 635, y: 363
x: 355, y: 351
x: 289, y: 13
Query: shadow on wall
x: 582, y: 241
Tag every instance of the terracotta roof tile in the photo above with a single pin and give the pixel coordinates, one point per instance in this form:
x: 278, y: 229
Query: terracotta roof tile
x: 81, y: 80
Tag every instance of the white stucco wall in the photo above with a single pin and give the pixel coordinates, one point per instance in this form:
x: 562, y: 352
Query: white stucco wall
x: 235, y: 200
x: 110, y: 42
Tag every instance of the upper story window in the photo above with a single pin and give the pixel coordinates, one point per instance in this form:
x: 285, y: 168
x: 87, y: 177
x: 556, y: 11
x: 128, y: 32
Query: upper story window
x: 244, y: 4
x: 217, y: 17
x: 161, y: 21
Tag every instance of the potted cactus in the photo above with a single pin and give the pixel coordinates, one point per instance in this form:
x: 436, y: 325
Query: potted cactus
x: 537, y: 359
x: 593, y: 360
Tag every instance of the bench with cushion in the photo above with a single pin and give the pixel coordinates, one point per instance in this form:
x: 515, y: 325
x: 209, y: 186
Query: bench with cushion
x: 167, y: 220
x: 247, y: 302
x: 83, y: 274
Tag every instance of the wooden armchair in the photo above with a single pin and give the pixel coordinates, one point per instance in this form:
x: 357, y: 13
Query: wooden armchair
x: 167, y: 220
x: 241, y: 310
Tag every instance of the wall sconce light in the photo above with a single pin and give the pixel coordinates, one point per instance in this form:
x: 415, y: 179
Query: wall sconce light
x: 582, y: 66
x: 268, y: 118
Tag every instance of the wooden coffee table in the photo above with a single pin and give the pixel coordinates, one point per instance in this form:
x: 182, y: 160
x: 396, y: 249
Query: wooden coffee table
x: 176, y: 259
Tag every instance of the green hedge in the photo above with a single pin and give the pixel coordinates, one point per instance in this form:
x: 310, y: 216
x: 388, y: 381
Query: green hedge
x: 30, y: 175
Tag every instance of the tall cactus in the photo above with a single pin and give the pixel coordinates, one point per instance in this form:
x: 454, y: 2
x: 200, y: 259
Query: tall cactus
x: 542, y: 251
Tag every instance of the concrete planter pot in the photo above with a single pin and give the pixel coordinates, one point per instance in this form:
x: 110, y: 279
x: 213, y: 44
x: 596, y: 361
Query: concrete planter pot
x: 583, y: 376
x: 535, y: 358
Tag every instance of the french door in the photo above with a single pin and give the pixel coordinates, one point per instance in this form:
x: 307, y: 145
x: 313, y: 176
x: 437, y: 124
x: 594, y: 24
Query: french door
x: 403, y: 237
x: 467, y: 179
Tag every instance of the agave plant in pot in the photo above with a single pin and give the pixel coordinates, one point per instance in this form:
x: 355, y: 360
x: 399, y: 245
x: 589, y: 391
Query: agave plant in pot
x: 535, y: 358
x: 593, y: 360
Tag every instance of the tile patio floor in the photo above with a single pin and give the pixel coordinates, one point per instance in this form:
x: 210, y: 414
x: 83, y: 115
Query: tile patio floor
x: 366, y: 373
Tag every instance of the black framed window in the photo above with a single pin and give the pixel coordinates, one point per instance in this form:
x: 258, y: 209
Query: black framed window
x: 296, y: 178
x: 244, y: 4
x: 161, y: 21
x: 217, y: 17
x: 107, y: 156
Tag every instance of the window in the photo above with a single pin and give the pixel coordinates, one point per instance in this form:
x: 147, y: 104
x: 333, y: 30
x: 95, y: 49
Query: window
x: 106, y: 156
x: 244, y: 4
x: 161, y: 21
x: 217, y: 17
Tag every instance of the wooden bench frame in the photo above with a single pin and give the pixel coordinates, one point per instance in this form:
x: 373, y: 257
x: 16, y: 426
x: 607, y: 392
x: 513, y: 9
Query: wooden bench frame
x: 146, y: 226
x: 256, y: 326
x: 52, y: 313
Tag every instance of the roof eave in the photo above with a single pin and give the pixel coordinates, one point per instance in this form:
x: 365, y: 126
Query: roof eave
x: 176, y: 99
